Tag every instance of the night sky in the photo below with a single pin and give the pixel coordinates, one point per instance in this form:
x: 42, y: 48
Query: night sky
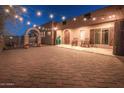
x: 58, y: 11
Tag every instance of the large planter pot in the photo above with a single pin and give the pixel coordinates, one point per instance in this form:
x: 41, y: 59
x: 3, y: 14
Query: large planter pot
x: 26, y: 46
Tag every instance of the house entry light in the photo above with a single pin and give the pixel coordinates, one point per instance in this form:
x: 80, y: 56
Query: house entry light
x: 85, y: 19
x: 21, y: 19
x: 94, y: 19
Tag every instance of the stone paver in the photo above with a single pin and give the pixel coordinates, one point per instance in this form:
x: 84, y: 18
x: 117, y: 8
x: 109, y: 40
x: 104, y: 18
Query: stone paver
x: 51, y: 66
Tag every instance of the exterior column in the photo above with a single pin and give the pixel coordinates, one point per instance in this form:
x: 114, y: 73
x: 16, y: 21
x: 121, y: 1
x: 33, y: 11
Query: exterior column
x: 1, y: 43
x: 118, y: 48
x: 39, y: 41
x: 26, y: 41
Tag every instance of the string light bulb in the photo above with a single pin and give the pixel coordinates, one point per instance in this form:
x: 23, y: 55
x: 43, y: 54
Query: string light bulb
x: 39, y: 27
x: 24, y: 10
x: 7, y: 10
x: 21, y: 19
x: 74, y: 19
x: 28, y: 23
x: 51, y: 16
x: 16, y: 16
x: 63, y: 17
x: 38, y: 13
x: 34, y: 25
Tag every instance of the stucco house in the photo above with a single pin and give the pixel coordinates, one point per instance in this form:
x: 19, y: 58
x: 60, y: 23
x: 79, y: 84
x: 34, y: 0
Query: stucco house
x: 102, y: 28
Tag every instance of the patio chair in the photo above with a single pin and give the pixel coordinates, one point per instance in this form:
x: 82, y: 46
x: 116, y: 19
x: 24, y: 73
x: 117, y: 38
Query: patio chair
x: 85, y: 43
x: 74, y: 42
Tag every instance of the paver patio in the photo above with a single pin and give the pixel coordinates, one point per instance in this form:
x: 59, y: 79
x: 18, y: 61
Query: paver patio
x: 52, y: 66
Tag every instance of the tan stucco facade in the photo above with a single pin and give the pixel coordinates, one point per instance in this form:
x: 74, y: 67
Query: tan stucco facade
x: 83, y: 33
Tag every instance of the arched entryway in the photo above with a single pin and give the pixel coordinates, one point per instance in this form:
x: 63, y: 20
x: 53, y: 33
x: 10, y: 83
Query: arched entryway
x: 66, y: 37
x: 32, y: 35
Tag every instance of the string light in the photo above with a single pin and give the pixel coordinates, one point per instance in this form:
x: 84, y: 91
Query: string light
x: 63, y: 18
x: 16, y: 16
x: 74, y: 19
x: 7, y: 10
x: 24, y: 10
x: 38, y: 13
x: 51, y: 16
x: 21, y: 19
x: 34, y: 25
x: 39, y: 27
x: 28, y: 23
x: 102, y: 18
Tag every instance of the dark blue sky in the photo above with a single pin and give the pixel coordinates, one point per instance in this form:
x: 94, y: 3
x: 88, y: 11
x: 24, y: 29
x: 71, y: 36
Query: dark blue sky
x: 69, y: 11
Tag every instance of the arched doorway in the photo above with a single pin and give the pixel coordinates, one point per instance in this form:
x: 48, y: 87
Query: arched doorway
x: 32, y: 37
x: 66, y: 37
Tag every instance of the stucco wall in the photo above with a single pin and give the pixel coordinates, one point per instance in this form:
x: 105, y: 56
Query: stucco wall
x: 75, y: 33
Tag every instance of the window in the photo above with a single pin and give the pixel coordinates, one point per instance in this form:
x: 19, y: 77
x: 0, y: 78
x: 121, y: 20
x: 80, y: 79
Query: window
x: 97, y: 36
x: 105, y: 36
x: 44, y: 33
x: 82, y: 35
x: 64, y: 22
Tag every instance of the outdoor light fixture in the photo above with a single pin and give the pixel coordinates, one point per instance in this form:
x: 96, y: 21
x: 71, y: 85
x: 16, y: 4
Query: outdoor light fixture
x: 110, y: 17
x: 51, y: 16
x: 113, y: 16
x: 28, y: 23
x: 38, y: 13
x: 94, y: 19
x: 102, y: 18
x: 74, y: 19
x: 7, y: 10
x: 63, y: 18
x: 85, y: 19
x: 34, y: 25
x: 24, y: 10
x: 55, y: 28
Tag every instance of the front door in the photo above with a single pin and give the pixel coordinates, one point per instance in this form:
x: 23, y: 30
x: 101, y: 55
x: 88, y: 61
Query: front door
x: 67, y: 37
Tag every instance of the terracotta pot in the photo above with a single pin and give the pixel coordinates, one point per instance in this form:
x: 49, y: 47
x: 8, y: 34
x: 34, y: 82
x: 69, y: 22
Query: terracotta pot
x: 26, y: 46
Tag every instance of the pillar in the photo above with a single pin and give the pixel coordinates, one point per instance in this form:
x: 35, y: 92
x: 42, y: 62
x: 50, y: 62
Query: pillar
x: 118, y: 47
x: 39, y: 41
x: 26, y: 39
